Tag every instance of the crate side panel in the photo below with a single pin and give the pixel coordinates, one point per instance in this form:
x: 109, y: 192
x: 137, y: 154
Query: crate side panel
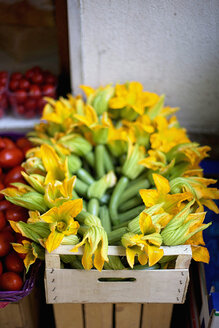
x: 127, y: 315
x: 157, y: 315
x: 68, y: 315
x: 98, y: 315
x: 163, y: 286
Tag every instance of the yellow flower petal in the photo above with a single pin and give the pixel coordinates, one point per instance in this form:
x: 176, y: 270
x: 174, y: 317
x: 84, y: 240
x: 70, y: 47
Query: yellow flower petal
x: 87, y: 257
x: 149, y: 196
x: 146, y: 224
x: 154, y: 254
x: 72, y: 208
x: 53, y: 241
x: 161, y: 183
x: 130, y: 255
x: 200, y: 254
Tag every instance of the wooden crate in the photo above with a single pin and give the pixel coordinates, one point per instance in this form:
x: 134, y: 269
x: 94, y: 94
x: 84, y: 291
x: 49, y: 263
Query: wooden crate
x: 22, y: 314
x: 144, y: 286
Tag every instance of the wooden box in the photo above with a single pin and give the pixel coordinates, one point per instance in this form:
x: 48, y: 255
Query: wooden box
x: 144, y: 286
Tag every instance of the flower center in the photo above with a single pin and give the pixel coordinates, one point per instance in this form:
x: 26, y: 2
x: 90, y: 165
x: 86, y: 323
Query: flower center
x: 61, y: 226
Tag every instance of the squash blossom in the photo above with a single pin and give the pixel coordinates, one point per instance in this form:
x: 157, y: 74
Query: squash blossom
x: 32, y: 251
x: 61, y: 222
x: 162, y: 194
x: 145, y: 245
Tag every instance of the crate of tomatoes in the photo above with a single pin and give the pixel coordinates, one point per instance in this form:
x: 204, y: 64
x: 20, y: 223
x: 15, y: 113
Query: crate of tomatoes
x: 26, y: 91
x: 14, y: 283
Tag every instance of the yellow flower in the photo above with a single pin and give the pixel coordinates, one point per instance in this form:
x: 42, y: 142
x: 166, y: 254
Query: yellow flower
x: 56, y: 169
x: 162, y: 194
x: 59, y: 192
x: 32, y: 251
x: 167, y: 137
x: 145, y: 245
x: 132, y: 96
x: 199, y: 187
x: 95, y: 243
x: 61, y: 222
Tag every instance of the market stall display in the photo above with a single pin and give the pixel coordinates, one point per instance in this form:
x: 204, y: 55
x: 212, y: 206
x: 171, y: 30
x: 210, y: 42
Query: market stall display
x: 112, y: 169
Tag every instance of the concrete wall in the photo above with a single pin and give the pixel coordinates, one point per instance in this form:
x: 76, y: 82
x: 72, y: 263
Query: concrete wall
x: 172, y: 47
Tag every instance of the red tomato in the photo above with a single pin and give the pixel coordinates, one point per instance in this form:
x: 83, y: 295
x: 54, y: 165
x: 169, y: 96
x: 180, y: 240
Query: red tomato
x: 48, y: 90
x: 35, y: 91
x: 14, y: 263
x: 3, y: 74
x: 1, y: 188
x: 41, y: 103
x: 8, y: 234
x: 4, y: 245
x: 24, y: 84
x: 21, y: 96
x: 30, y: 105
x: 11, y: 157
x: 36, y: 69
x: 29, y: 74
x: 20, y: 109
x: 8, y: 143
x: 1, y: 268
x: 17, y: 214
x: 16, y: 76
x: 5, y: 204
x: 23, y: 143
x: 37, y: 78
x: 50, y: 79
x: 13, y: 85
x: 13, y: 175
x: 10, y: 281
x: 2, y: 86
x: 3, y: 221
x: 30, y: 114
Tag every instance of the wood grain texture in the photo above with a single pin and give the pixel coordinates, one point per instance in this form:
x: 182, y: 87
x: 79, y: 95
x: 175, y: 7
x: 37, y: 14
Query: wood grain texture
x: 156, y: 315
x: 98, y: 315
x: 68, y: 315
x: 127, y: 315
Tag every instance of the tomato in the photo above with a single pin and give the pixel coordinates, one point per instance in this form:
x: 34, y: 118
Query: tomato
x: 13, y: 85
x: 50, y: 79
x: 14, y: 263
x: 24, y: 84
x: 11, y: 157
x: 16, y: 76
x: 17, y: 214
x: 35, y: 91
x: 20, y: 96
x: 1, y: 268
x: 37, y: 78
x: 8, y: 234
x: 5, y: 204
x: 10, y: 281
x: 3, y: 221
x: 40, y: 104
x: 48, y: 90
x: 3, y: 74
x: 20, y: 109
x: 30, y: 105
x: 23, y: 143
x: 36, y: 69
x: 1, y: 188
x: 8, y: 143
x: 4, y: 245
x: 13, y: 175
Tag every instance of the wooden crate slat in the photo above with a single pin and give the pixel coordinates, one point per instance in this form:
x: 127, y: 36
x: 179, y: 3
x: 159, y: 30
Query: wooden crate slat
x: 127, y: 315
x: 68, y: 315
x: 11, y: 317
x: 156, y: 315
x: 98, y: 315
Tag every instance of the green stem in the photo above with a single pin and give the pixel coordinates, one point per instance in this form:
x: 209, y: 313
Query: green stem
x: 131, y: 213
x: 108, y: 163
x: 99, y: 161
x: 114, y: 200
x: 105, y: 219
x: 133, y: 202
x: 85, y: 176
x: 133, y: 190
x: 116, y: 235
x: 74, y: 195
x: 93, y: 206
x: 81, y: 187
